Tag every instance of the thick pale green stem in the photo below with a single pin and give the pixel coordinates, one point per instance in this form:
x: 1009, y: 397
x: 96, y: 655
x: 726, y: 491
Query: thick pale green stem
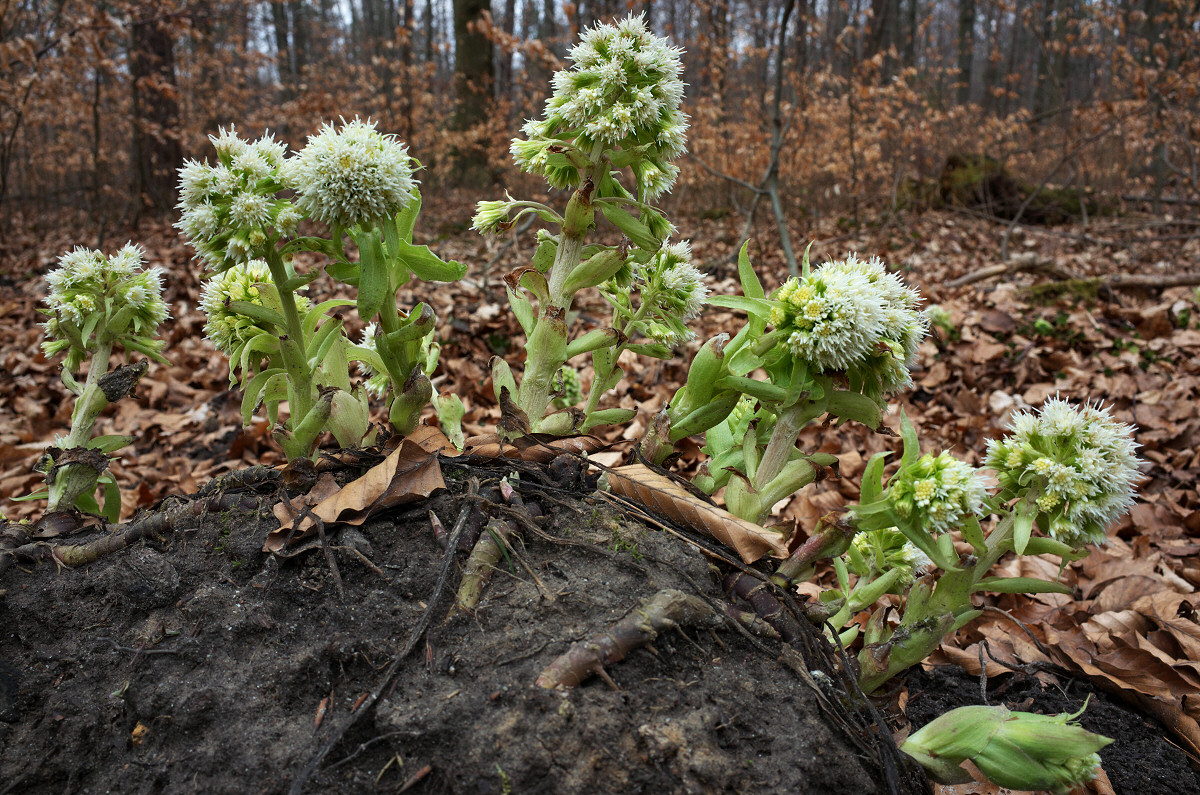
x: 295, y: 359
x: 92, y: 400
x: 547, y: 345
x: 783, y: 440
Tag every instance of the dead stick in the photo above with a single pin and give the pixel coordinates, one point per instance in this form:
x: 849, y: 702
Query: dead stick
x: 1018, y: 264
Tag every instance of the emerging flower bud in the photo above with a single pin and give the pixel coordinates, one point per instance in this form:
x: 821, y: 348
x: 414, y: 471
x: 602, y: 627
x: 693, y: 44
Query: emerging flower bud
x: 353, y: 175
x: 1017, y: 750
x: 489, y: 215
x: 672, y: 291
x: 569, y: 388
x: 225, y: 328
x: 1081, y: 461
x: 876, y: 552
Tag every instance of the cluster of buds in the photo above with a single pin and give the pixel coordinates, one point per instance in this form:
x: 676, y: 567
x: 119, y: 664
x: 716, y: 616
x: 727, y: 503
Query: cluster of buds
x: 1078, y: 461
x: 671, y: 291
x: 937, y: 493
x: 876, y: 552
x: 229, y: 330
x: 230, y: 211
x: 1017, y: 750
x: 97, y: 300
x: 352, y: 176
x: 622, y: 91
x: 851, y: 316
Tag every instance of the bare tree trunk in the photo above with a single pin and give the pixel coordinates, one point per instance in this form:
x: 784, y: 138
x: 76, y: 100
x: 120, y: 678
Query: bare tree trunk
x: 966, y: 48
x: 154, y: 147
x: 473, y: 77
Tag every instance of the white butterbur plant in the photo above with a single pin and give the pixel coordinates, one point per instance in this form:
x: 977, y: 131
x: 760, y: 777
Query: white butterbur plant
x: 95, y: 305
x: 243, y: 214
x: 616, y: 108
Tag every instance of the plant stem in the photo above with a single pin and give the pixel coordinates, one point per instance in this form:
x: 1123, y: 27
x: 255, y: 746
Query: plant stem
x: 547, y: 344
x: 783, y: 439
x: 92, y: 400
x: 300, y: 391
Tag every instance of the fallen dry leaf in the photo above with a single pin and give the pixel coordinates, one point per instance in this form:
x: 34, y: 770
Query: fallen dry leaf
x: 410, y: 472
x: 646, y: 487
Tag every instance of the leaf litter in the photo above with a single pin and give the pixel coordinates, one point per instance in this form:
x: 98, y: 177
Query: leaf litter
x: 1134, y: 629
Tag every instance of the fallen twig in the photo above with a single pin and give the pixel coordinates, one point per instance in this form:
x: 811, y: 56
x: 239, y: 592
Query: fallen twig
x: 1020, y: 263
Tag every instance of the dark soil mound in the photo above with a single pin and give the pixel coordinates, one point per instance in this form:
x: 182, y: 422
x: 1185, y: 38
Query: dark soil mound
x: 195, y: 663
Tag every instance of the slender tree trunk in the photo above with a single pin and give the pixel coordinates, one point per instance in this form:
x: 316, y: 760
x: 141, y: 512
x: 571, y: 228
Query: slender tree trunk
x: 966, y: 48
x: 154, y: 146
x: 473, y: 77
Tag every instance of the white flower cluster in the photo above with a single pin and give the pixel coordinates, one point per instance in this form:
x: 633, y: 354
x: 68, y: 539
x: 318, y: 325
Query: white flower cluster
x: 228, y: 330
x: 880, y: 551
x: 353, y: 175
x: 229, y: 210
x: 937, y: 492
x: 489, y: 215
x: 853, y: 316
x: 91, y: 292
x: 1083, y: 463
x: 672, y: 292
x: 623, y: 90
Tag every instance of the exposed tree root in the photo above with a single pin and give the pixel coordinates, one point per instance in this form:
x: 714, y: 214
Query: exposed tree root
x: 667, y: 609
x: 122, y: 536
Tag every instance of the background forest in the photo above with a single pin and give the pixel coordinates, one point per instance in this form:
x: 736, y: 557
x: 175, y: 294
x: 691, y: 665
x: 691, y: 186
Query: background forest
x: 1033, y: 168
x: 864, y: 99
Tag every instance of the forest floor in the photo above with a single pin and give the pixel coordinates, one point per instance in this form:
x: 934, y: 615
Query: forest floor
x: 194, y: 661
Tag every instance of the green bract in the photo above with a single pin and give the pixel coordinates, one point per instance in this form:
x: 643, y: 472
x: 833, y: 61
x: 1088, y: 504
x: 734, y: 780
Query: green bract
x: 1018, y: 750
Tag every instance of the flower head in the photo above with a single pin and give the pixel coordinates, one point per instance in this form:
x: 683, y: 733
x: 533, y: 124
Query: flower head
x: 113, y: 298
x: 1017, y: 750
x: 623, y: 90
x: 1082, y: 463
x: 228, y: 210
x: 937, y: 492
x: 852, y: 316
x: 225, y: 327
x: 352, y: 175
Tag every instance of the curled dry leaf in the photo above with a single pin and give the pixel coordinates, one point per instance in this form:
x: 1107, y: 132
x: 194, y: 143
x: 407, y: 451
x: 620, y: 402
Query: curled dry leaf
x: 643, y: 485
x: 410, y: 472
